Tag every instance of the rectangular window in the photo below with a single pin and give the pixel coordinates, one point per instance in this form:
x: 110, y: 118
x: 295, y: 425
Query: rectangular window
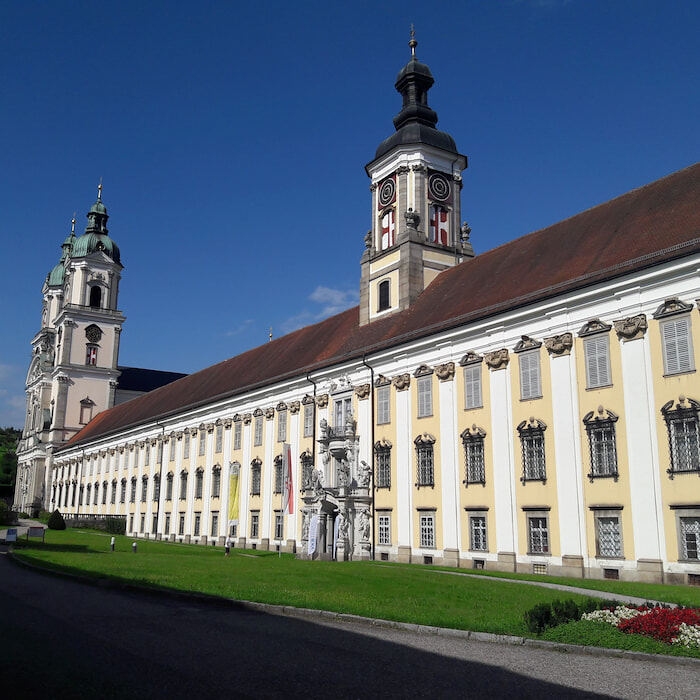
x: 425, y: 396
x: 475, y: 472
x: 690, y: 537
x: 132, y: 495
x: 144, y: 488
x: 308, y: 420
x: 199, y: 484
x: 258, y: 431
x: 596, y: 351
x: 214, y: 524
x: 384, y: 529
x: 104, y: 493
x: 237, y: 435
x: 341, y: 410
x: 183, y: 486
x: 147, y: 454
x: 91, y: 355
x: 603, y: 451
x: 96, y: 492
x: 279, y: 475
x: 254, y: 523
x: 154, y: 523
x: 427, y: 530
x: 608, y: 536
x: 279, y: 526
x: 202, y: 443
x: 167, y: 523
x: 219, y: 438
x: 122, y: 494
x: 677, y: 346
x: 534, y: 467
x: 169, y: 488
x: 383, y: 405
x: 216, y: 483
x: 281, y: 426
x: 181, y: 525
x: 156, y: 488
x: 131, y: 523
x: 143, y: 523
x: 530, y: 381
x: 173, y: 446
x: 197, y: 523
x: 538, y: 535
x: 383, y: 457
x: 477, y: 533
x: 113, y: 493
x: 160, y: 453
x: 255, y: 481
x: 186, y: 449
x: 426, y: 470
x: 472, y: 387
x: 685, y: 443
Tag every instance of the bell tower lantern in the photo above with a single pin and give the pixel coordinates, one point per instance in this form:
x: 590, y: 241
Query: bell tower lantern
x: 416, y: 185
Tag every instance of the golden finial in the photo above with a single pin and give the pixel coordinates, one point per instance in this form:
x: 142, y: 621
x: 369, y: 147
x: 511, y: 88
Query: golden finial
x: 413, y: 43
x: 99, y: 191
x: 270, y: 334
x: 72, y: 225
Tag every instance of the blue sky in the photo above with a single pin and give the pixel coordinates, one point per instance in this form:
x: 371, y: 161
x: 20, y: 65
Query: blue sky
x: 231, y: 139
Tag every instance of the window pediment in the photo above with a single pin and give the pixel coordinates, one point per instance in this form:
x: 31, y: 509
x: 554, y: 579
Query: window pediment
x: 671, y: 307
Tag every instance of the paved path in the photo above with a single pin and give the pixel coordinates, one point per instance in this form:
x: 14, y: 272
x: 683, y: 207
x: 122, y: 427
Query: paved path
x: 66, y: 639
x: 593, y: 593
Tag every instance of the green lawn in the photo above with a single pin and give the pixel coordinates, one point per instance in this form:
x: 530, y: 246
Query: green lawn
x: 408, y: 594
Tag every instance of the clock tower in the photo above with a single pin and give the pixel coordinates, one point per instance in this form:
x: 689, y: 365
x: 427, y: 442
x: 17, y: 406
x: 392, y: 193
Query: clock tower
x: 416, y: 184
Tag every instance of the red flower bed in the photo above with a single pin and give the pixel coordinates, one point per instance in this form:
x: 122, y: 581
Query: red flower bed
x: 660, y: 623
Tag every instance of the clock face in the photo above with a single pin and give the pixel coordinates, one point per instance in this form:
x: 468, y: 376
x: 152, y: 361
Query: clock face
x: 439, y: 187
x: 387, y: 192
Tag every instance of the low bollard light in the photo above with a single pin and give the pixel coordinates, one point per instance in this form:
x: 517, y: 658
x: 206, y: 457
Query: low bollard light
x: 133, y: 547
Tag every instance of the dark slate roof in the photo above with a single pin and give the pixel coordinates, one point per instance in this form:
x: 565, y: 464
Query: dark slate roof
x: 645, y: 227
x: 139, y: 379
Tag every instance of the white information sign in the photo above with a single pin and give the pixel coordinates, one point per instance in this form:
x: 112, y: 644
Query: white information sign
x: 313, y: 533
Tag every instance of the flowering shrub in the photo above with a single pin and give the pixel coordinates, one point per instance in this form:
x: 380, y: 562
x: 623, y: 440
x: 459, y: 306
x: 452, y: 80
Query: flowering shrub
x: 670, y: 625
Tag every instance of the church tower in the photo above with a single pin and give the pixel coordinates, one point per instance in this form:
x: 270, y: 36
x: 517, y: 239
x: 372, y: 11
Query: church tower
x: 416, y: 184
x: 73, y: 371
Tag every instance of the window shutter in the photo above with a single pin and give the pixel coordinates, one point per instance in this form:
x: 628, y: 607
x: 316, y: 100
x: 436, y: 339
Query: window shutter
x: 597, y: 357
x: 425, y: 402
x: 530, y: 384
x: 383, y: 405
x: 472, y: 387
x: 677, y: 349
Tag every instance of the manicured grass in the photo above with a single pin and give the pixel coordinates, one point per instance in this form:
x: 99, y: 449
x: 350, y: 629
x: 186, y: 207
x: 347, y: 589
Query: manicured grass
x: 408, y: 594
x: 601, y: 634
x: 683, y: 595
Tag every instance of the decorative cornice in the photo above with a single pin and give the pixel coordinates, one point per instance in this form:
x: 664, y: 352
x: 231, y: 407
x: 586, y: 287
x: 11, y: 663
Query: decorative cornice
x: 474, y: 431
x: 683, y: 404
x: 210, y: 427
x: 526, y: 343
x: 601, y: 415
x: 445, y: 371
x: 362, y: 391
x: 308, y: 399
x: 382, y: 444
x: 471, y: 358
x: 294, y: 407
x: 402, y: 381
x: 559, y: 345
x: 631, y: 328
x: 322, y: 400
x: 532, y: 423
x: 257, y: 412
x: 237, y: 417
x: 402, y: 169
x: 247, y: 417
x: 594, y: 326
x: 419, y: 168
x: 373, y: 187
x: 498, y: 359
x: 227, y: 423
x: 671, y: 307
x: 381, y: 380
x: 423, y: 371
x: 425, y: 439
x: 269, y: 413
x: 281, y: 406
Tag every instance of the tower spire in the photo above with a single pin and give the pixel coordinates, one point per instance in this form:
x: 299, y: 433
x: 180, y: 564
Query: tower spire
x: 99, y: 191
x: 413, y: 43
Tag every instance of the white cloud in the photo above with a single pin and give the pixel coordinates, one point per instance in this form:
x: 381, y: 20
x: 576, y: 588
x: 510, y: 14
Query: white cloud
x: 240, y: 328
x: 331, y: 301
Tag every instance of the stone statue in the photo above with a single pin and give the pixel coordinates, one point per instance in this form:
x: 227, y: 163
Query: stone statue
x: 349, y: 425
x: 368, y: 240
x: 317, y: 483
x: 343, y: 527
x: 365, y: 474
x: 343, y: 473
x: 465, y: 232
x: 412, y: 219
x: 323, y: 425
x: 364, y: 525
x: 305, y: 524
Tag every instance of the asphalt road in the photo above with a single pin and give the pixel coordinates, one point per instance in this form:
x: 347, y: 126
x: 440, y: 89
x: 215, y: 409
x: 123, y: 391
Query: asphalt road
x: 65, y: 639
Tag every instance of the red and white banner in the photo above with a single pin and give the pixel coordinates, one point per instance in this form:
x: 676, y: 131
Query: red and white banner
x: 388, y: 230
x: 288, y: 496
x: 438, y: 225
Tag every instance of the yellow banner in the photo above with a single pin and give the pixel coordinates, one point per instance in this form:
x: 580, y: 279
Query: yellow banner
x: 233, y: 496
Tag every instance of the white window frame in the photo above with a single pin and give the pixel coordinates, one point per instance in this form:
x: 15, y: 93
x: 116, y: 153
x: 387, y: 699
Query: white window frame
x: 477, y: 532
x: 282, y: 426
x: 257, y: 431
x: 219, y: 441
x: 254, y: 524
x: 183, y: 485
x: 186, y: 449
x: 677, y: 359
x: 427, y: 530
x: 199, y: 483
x: 602, y: 519
x: 279, y: 526
x: 424, y: 392
x: 308, y: 420
x: 216, y: 482
x: 596, y: 354
x: 382, y: 455
x: 529, y: 366
x: 538, y: 540
x: 384, y: 404
x: 237, y: 435
x: 202, y: 445
x: 214, y: 530
x: 384, y: 529
x: 197, y: 523
x: 473, y: 394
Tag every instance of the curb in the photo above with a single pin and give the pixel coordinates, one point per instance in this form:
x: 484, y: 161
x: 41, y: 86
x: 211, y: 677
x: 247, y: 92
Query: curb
x: 329, y: 616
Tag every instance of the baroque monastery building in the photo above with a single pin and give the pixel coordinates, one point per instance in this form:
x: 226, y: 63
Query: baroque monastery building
x: 532, y: 408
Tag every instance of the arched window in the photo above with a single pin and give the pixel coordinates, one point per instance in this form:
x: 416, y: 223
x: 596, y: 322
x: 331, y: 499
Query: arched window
x: 169, y: 487
x: 425, y: 467
x: 183, y: 485
x: 384, y: 302
x: 600, y: 427
x: 532, y: 443
x: 473, y: 441
x: 682, y: 419
x: 95, y: 296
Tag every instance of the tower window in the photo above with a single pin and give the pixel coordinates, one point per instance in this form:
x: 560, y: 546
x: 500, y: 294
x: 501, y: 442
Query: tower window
x: 95, y: 297
x: 384, y: 302
x: 91, y: 354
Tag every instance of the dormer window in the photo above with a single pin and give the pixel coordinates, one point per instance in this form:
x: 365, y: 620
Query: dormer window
x: 384, y: 296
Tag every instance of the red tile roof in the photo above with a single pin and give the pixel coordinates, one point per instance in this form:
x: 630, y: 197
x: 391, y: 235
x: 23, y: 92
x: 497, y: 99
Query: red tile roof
x: 647, y: 226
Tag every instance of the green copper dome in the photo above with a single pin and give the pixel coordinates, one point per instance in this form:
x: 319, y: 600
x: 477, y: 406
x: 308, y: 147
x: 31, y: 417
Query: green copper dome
x: 57, y: 276
x: 90, y: 242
